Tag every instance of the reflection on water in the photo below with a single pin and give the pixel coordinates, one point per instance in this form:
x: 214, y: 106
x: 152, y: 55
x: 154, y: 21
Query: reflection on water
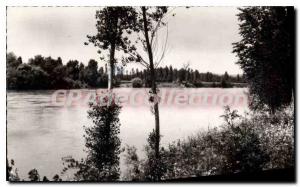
x: 39, y: 134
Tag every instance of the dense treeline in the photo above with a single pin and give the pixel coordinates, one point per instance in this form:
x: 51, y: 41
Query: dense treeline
x: 186, y: 75
x: 48, y: 73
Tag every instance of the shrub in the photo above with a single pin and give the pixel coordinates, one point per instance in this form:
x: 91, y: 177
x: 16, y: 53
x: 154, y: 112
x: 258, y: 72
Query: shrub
x: 276, y: 132
x: 133, y: 170
x: 248, y: 144
x: 148, y: 169
x: 137, y: 82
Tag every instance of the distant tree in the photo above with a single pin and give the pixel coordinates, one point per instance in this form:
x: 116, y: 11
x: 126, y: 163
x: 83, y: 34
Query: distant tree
x: 38, y: 60
x: 170, y: 75
x: 226, y: 76
x: 181, y: 75
x: 72, y: 69
x: 81, y: 72
x: 12, y: 61
x: 91, y: 73
x: 266, y: 54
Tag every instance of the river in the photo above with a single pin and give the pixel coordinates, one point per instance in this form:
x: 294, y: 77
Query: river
x: 41, y: 132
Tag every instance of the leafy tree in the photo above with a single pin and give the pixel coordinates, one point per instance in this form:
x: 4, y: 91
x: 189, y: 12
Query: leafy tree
x: 72, y: 69
x: 102, y: 146
x: 112, y: 24
x: 12, y: 60
x: 38, y: 60
x: 266, y: 54
x: 91, y: 73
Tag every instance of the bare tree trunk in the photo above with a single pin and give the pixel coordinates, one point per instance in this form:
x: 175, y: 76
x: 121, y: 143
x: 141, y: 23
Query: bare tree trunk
x: 111, y: 66
x: 111, y: 62
x: 153, y: 83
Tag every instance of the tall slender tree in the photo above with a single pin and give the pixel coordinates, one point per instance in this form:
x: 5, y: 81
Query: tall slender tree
x: 149, y: 21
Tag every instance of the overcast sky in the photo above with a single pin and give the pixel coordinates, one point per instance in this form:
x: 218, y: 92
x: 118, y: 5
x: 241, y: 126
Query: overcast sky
x: 202, y: 36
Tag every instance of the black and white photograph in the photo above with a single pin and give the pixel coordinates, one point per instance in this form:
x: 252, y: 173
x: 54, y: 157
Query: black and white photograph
x: 171, y: 94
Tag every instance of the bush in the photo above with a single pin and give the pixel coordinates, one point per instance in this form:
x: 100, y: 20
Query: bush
x: 149, y: 169
x: 276, y: 132
x: 248, y: 144
x: 137, y: 82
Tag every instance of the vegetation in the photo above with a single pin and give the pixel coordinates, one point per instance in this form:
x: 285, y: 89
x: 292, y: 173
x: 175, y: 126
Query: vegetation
x: 137, y: 83
x: 266, y: 54
x: 168, y: 74
x: 11, y: 172
x: 47, y: 73
x: 102, y: 146
x: 112, y: 24
x: 255, y: 142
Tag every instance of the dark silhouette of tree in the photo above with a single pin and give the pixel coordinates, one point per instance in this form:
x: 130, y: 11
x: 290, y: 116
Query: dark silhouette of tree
x: 91, y: 73
x: 112, y: 24
x: 266, y: 54
x: 72, y: 69
x: 148, y: 21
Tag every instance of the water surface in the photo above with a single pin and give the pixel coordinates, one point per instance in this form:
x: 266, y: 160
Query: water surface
x: 40, y: 133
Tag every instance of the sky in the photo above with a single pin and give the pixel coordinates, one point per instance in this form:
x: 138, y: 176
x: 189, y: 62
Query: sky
x: 199, y: 36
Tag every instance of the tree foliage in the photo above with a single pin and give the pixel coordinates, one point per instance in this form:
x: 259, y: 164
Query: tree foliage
x: 266, y: 54
x: 48, y: 73
x: 102, y: 146
x: 114, y: 24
